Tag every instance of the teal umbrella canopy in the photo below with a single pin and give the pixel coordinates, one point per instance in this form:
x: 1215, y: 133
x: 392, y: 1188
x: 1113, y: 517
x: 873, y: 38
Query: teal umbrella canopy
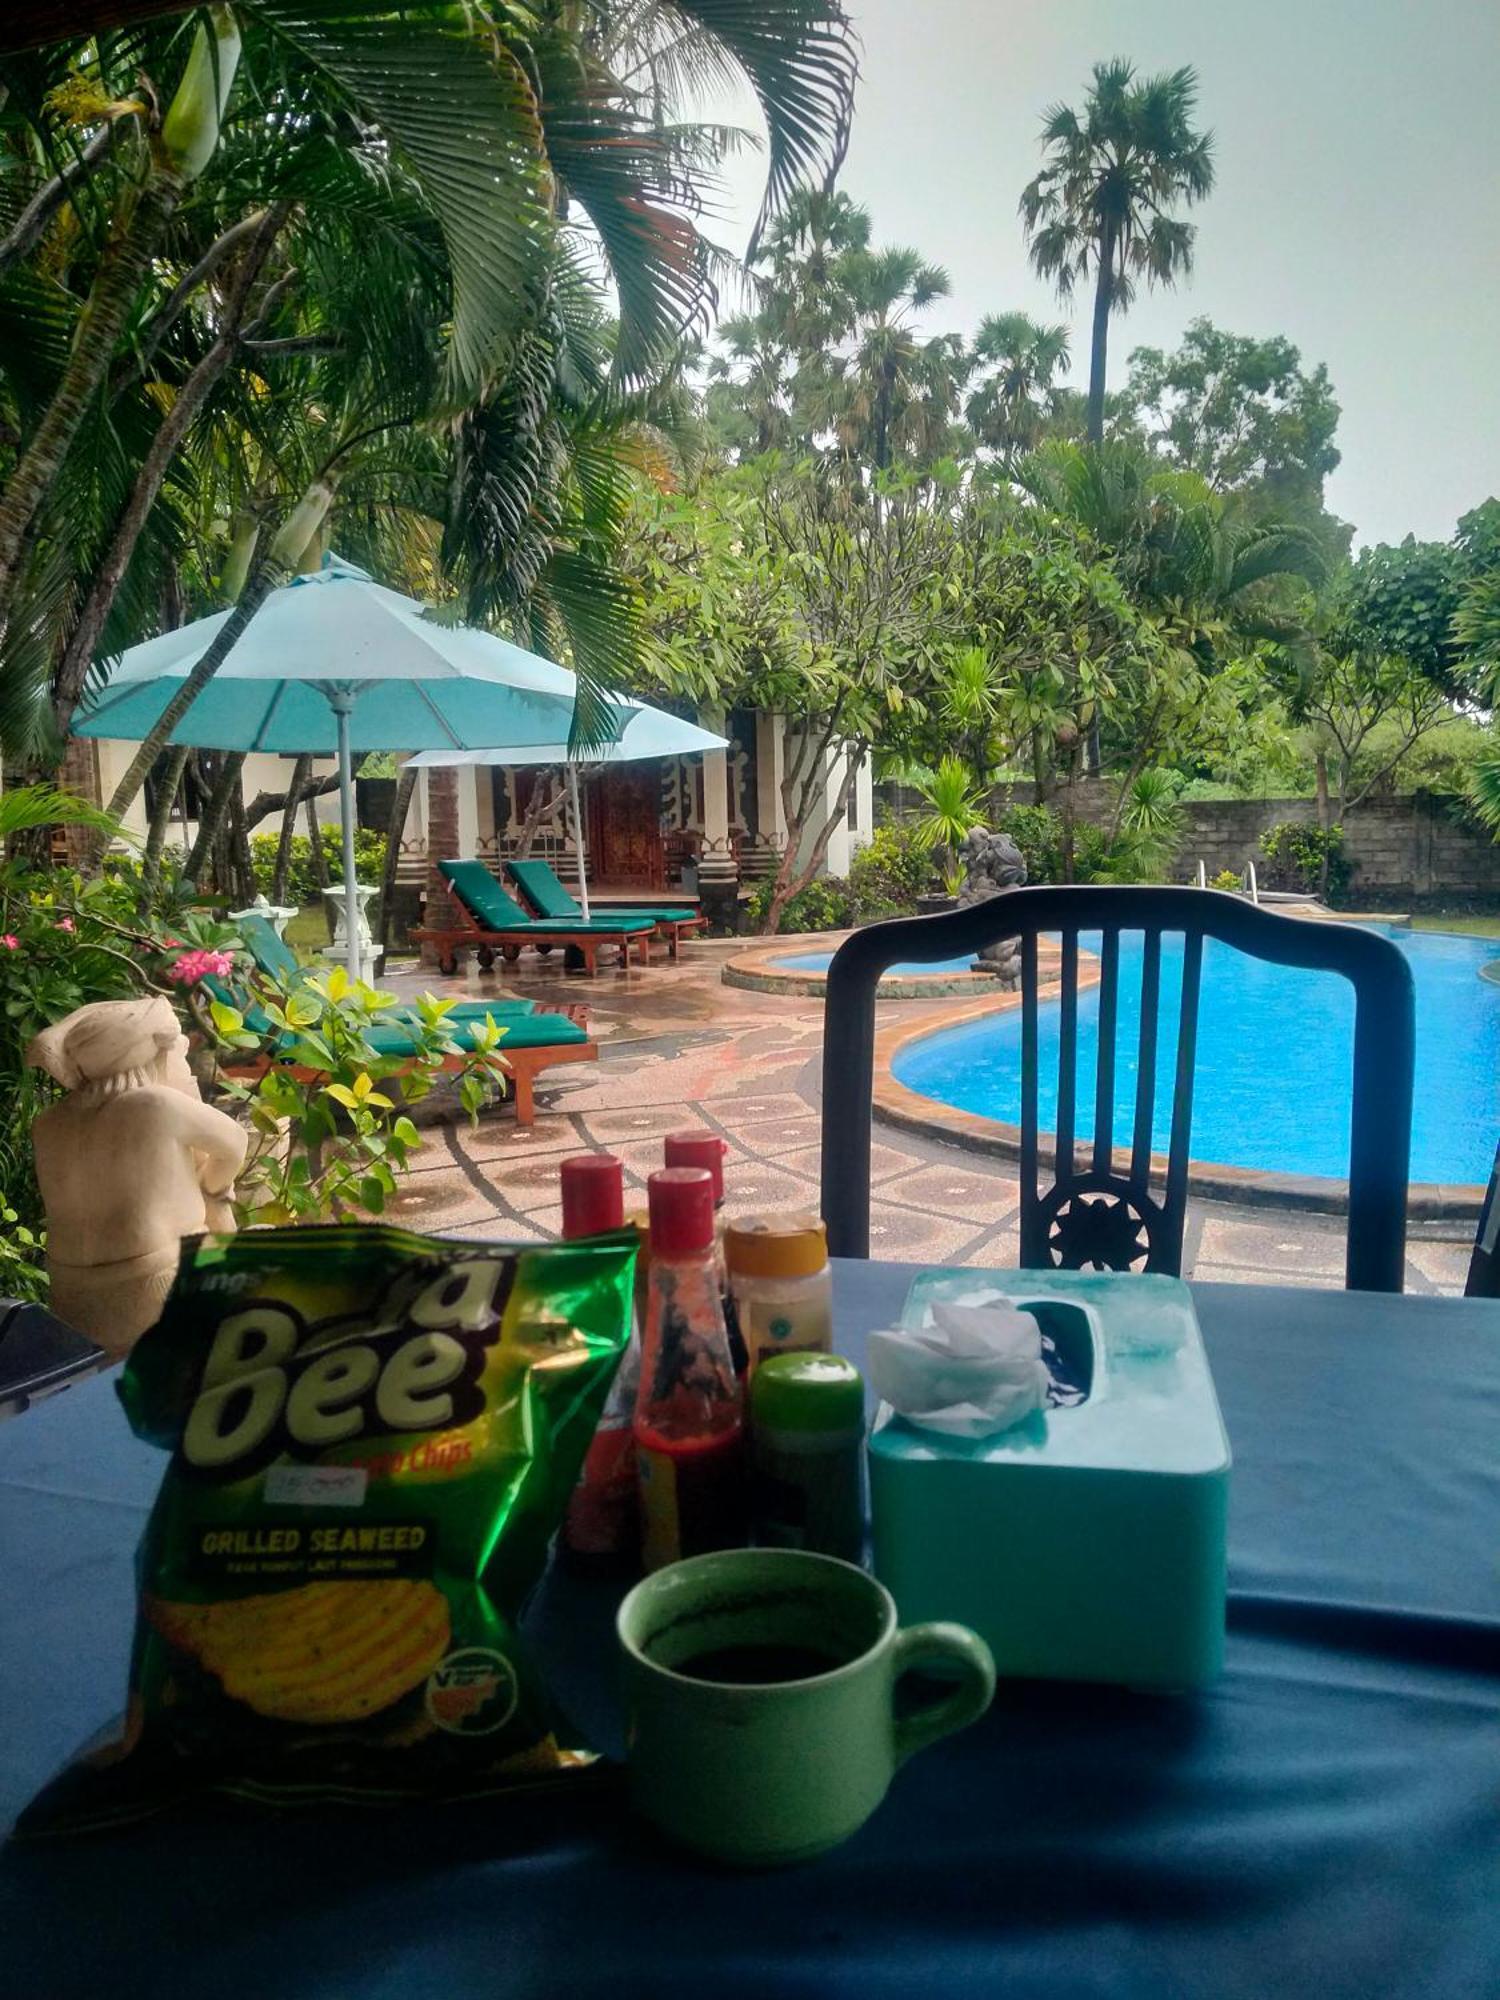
x: 336, y: 664
x: 643, y: 732
x: 418, y: 684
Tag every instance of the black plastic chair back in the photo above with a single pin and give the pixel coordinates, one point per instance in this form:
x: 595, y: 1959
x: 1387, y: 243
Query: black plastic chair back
x: 1095, y: 1214
x: 1484, y: 1264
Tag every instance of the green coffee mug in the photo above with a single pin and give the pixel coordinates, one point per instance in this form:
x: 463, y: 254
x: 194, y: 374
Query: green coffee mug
x: 761, y: 1715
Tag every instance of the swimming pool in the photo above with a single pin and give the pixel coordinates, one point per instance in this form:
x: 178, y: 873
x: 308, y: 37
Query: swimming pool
x: 1274, y: 1050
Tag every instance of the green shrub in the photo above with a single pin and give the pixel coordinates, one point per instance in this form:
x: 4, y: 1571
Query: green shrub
x: 1226, y: 879
x: 824, y: 905
x: 888, y: 874
x: 301, y: 884
x: 1295, y: 850
x: 1037, y: 831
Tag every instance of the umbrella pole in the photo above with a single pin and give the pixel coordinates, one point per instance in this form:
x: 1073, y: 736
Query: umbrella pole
x: 341, y: 701
x: 583, y: 873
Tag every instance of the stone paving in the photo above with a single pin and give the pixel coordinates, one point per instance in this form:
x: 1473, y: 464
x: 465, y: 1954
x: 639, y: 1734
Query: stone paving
x: 678, y: 1048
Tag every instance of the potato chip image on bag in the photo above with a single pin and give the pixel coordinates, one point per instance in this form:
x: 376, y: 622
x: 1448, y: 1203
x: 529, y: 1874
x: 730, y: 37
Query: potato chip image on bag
x: 373, y: 1437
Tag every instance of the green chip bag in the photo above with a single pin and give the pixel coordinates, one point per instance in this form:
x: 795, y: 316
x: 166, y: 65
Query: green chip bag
x: 373, y: 1437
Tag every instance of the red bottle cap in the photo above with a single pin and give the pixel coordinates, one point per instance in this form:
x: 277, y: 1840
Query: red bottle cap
x: 593, y: 1195
x: 681, y: 1201
x: 698, y: 1149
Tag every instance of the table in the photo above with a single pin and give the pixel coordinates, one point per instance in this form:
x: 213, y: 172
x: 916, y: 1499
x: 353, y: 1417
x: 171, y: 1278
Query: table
x: 1326, y: 1821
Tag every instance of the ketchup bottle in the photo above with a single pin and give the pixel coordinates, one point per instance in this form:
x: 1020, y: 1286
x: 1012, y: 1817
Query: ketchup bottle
x: 689, y: 1410
x: 697, y: 1148
x: 601, y: 1524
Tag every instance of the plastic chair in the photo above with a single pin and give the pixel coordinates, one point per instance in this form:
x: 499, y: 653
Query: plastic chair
x: 1095, y: 1214
x: 1483, y: 1281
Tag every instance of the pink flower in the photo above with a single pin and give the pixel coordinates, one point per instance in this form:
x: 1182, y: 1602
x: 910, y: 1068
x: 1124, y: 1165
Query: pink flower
x: 66, y: 924
x: 196, y: 965
x: 175, y: 943
x: 11, y: 941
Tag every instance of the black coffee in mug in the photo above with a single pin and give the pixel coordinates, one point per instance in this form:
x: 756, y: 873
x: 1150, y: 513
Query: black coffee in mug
x: 758, y: 1665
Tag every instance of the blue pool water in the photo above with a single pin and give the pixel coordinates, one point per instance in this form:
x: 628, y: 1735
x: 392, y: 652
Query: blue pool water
x: 1274, y: 1050
x: 819, y: 961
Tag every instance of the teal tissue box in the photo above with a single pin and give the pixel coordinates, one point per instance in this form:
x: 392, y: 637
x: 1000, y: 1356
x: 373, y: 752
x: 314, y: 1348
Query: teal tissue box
x: 1087, y: 1542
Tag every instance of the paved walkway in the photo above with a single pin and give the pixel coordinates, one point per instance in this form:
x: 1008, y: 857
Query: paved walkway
x: 678, y: 1049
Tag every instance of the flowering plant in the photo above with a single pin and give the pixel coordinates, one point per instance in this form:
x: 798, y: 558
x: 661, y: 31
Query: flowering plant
x: 329, y: 1141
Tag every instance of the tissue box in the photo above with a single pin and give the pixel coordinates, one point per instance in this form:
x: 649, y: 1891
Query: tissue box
x: 1087, y: 1542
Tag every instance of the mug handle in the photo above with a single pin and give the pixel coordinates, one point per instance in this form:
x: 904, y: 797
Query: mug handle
x: 917, y: 1644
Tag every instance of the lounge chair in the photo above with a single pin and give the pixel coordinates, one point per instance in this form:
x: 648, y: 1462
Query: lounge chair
x: 539, y: 884
x: 532, y: 1042
x: 275, y: 957
x: 498, y: 923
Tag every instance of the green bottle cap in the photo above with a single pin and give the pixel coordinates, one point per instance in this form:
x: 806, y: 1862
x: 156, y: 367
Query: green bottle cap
x: 807, y: 1392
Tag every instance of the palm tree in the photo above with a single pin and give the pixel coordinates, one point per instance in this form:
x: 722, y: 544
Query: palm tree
x: 898, y: 391
x: 1018, y: 361
x: 337, y: 114
x: 1104, y: 202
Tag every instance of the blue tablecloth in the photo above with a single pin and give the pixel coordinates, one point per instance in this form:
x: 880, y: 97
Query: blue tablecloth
x: 1325, y: 1822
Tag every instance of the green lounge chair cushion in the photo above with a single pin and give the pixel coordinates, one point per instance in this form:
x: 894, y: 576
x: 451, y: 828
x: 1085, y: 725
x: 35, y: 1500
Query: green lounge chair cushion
x: 530, y: 1031
x: 539, y: 884
x: 271, y: 953
x: 278, y: 961
x: 490, y: 906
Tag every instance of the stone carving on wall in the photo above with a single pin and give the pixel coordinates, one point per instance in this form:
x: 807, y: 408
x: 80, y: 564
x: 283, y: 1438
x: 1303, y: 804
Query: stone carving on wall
x: 993, y: 864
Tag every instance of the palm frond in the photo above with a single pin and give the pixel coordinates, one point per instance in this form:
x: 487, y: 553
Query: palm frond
x: 461, y: 112
x: 801, y: 59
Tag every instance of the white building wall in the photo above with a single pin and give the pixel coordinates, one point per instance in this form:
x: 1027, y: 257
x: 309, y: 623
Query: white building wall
x: 852, y: 829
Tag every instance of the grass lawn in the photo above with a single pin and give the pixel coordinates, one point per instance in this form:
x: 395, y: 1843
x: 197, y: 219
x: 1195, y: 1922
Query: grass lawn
x: 1487, y: 925
x: 307, y: 932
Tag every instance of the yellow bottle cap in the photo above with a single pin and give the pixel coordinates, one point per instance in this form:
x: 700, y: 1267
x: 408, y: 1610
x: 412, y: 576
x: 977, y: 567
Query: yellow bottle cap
x: 776, y: 1246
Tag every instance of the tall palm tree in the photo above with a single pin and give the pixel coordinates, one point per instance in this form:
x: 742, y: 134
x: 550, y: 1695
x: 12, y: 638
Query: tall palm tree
x: 1018, y: 362
x: 1105, y: 202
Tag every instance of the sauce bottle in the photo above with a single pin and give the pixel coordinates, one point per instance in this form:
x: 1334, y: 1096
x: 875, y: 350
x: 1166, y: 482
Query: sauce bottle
x: 697, y: 1148
x: 689, y: 1410
x: 783, y: 1288
x: 807, y: 1432
x: 601, y: 1526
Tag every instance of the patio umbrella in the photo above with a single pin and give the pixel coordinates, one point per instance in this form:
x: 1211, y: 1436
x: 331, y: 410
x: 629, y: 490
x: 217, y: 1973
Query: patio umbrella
x: 334, y: 663
x: 643, y: 732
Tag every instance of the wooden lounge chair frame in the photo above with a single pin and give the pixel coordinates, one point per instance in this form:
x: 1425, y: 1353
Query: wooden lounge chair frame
x: 523, y: 1066
x: 671, y: 929
x: 452, y: 939
x: 470, y: 932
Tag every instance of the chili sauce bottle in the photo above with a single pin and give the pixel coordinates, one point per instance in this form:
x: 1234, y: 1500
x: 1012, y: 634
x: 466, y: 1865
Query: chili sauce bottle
x: 697, y: 1148
x: 689, y: 1410
x: 601, y: 1526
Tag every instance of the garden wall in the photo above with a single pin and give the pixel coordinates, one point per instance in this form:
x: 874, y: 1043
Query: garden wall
x: 1404, y: 851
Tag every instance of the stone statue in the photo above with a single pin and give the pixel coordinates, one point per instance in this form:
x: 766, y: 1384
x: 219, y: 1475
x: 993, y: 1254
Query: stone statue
x: 128, y: 1164
x: 993, y: 864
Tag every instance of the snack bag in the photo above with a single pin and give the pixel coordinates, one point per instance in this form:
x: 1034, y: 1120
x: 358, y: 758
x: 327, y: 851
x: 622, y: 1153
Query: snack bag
x: 373, y: 1437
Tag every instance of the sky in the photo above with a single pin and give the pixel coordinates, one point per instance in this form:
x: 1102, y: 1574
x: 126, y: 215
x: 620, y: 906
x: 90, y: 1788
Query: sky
x: 1356, y: 211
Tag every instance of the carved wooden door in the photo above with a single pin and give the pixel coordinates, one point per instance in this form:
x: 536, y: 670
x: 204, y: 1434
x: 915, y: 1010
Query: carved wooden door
x: 623, y: 817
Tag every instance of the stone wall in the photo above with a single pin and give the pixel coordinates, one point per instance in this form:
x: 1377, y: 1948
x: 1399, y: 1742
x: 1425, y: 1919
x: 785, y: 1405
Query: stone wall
x: 1404, y: 851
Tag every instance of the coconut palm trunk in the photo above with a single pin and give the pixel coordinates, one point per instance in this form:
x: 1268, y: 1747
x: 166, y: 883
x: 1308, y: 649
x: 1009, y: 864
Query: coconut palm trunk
x: 1099, y: 346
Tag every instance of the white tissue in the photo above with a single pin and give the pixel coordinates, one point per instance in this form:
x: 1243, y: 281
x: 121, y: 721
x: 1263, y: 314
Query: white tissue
x: 976, y: 1370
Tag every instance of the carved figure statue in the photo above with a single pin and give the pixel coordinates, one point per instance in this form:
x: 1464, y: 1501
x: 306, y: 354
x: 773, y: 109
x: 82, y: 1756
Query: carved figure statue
x: 993, y: 864
x: 130, y: 1162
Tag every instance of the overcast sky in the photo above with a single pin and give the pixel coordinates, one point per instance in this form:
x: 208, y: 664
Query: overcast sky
x: 1357, y: 208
